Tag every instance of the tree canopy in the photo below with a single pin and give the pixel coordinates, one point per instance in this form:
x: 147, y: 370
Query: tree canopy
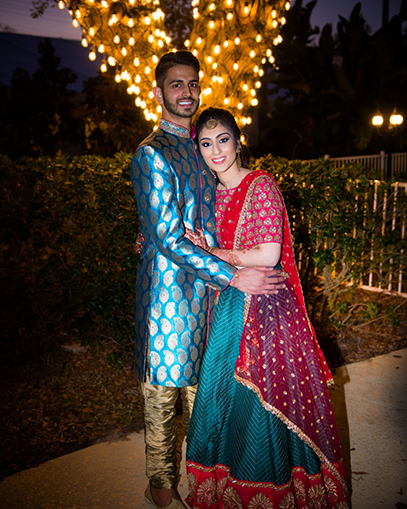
x: 327, y: 89
x: 41, y: 115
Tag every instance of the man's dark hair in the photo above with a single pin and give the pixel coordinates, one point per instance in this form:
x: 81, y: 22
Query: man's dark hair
x: 171, y: 60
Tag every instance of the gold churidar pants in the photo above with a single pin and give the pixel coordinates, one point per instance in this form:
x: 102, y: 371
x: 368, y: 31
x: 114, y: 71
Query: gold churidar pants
x: 160, y: 430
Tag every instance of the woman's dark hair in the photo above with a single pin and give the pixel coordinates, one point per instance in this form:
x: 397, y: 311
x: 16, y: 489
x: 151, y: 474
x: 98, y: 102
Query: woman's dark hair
x: 225, y: 118
x: 171, y: 60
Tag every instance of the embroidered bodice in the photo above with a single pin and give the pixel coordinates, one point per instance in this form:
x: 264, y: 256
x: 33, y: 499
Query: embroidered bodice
x: 263, y: 215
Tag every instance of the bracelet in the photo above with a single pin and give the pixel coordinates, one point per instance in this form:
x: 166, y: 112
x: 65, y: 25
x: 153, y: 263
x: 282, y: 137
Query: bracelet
x: 235, y: 277
x: 211, y: 249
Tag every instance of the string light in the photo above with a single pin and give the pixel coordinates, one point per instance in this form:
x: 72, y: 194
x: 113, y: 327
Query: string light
x: 231, y: 63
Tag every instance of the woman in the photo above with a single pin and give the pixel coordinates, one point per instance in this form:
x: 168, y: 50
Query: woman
x: 262, y: 433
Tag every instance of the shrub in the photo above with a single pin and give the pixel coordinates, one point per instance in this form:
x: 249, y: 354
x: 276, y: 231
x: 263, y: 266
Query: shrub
x: 67, y: 235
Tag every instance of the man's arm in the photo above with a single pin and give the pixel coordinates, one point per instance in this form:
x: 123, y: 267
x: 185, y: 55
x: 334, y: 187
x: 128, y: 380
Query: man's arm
x: 155, y: 185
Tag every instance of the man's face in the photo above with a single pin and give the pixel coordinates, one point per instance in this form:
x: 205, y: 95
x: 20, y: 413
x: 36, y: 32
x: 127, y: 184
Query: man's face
x: 180, y: 95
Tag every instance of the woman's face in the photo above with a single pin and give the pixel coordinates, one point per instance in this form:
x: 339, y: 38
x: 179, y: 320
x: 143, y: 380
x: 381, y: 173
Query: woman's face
x: 218, y: 148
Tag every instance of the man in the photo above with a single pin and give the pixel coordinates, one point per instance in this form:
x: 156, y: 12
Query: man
x: 174, y: 190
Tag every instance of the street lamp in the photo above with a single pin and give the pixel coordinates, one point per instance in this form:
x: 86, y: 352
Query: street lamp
x: 388, y: 133
x: 377, y: 120
x: 395, y: 120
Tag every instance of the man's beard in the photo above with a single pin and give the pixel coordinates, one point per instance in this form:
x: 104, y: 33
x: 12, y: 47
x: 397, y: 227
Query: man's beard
x: 174, y: 109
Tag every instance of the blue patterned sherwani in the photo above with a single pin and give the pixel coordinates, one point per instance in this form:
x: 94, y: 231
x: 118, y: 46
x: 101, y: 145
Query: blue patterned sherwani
x: 173, y: 191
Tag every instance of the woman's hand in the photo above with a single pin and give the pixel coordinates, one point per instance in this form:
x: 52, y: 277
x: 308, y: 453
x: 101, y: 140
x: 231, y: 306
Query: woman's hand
x: 197, y: 238
x: 139, y: 243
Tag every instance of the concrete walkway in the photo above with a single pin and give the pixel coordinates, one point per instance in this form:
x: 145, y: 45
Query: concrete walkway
x: 370, y: 403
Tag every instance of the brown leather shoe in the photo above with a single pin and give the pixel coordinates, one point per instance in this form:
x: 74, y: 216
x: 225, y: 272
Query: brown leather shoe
x: 175, y: 504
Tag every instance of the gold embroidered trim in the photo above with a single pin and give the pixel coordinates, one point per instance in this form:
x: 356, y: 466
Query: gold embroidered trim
x: 246, y: 307
x: 253, y: 484
x: 173, y: 128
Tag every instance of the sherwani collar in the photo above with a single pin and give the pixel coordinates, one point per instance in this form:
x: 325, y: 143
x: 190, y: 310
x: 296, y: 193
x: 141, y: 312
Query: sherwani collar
x: 176, y: 129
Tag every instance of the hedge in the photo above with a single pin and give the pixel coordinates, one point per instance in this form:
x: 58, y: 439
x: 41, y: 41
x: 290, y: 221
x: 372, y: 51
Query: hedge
x: 67, y: 236
x: 69, y: 227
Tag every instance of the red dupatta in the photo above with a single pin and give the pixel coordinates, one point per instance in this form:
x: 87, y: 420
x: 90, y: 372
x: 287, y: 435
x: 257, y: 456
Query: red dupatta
x: 230, y: 239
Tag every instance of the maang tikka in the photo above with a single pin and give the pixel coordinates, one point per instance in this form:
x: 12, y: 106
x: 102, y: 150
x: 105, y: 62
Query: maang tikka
x: 211, y: 123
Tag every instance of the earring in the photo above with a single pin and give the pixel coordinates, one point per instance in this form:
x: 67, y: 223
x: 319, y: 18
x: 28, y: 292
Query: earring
x: 238, y: 158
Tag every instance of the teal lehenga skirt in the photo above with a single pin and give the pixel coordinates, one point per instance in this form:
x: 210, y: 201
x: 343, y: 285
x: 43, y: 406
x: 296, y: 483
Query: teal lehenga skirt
x: 238, y: 453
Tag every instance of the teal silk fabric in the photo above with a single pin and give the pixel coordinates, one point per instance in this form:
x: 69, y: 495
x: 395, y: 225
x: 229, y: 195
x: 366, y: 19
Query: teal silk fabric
x: 173, y: 191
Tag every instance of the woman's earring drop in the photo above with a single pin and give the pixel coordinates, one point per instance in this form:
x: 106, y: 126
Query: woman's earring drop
x: 238, y: 158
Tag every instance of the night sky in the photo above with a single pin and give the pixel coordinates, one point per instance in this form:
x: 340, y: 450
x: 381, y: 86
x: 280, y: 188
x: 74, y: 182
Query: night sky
x: 57, y: 23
